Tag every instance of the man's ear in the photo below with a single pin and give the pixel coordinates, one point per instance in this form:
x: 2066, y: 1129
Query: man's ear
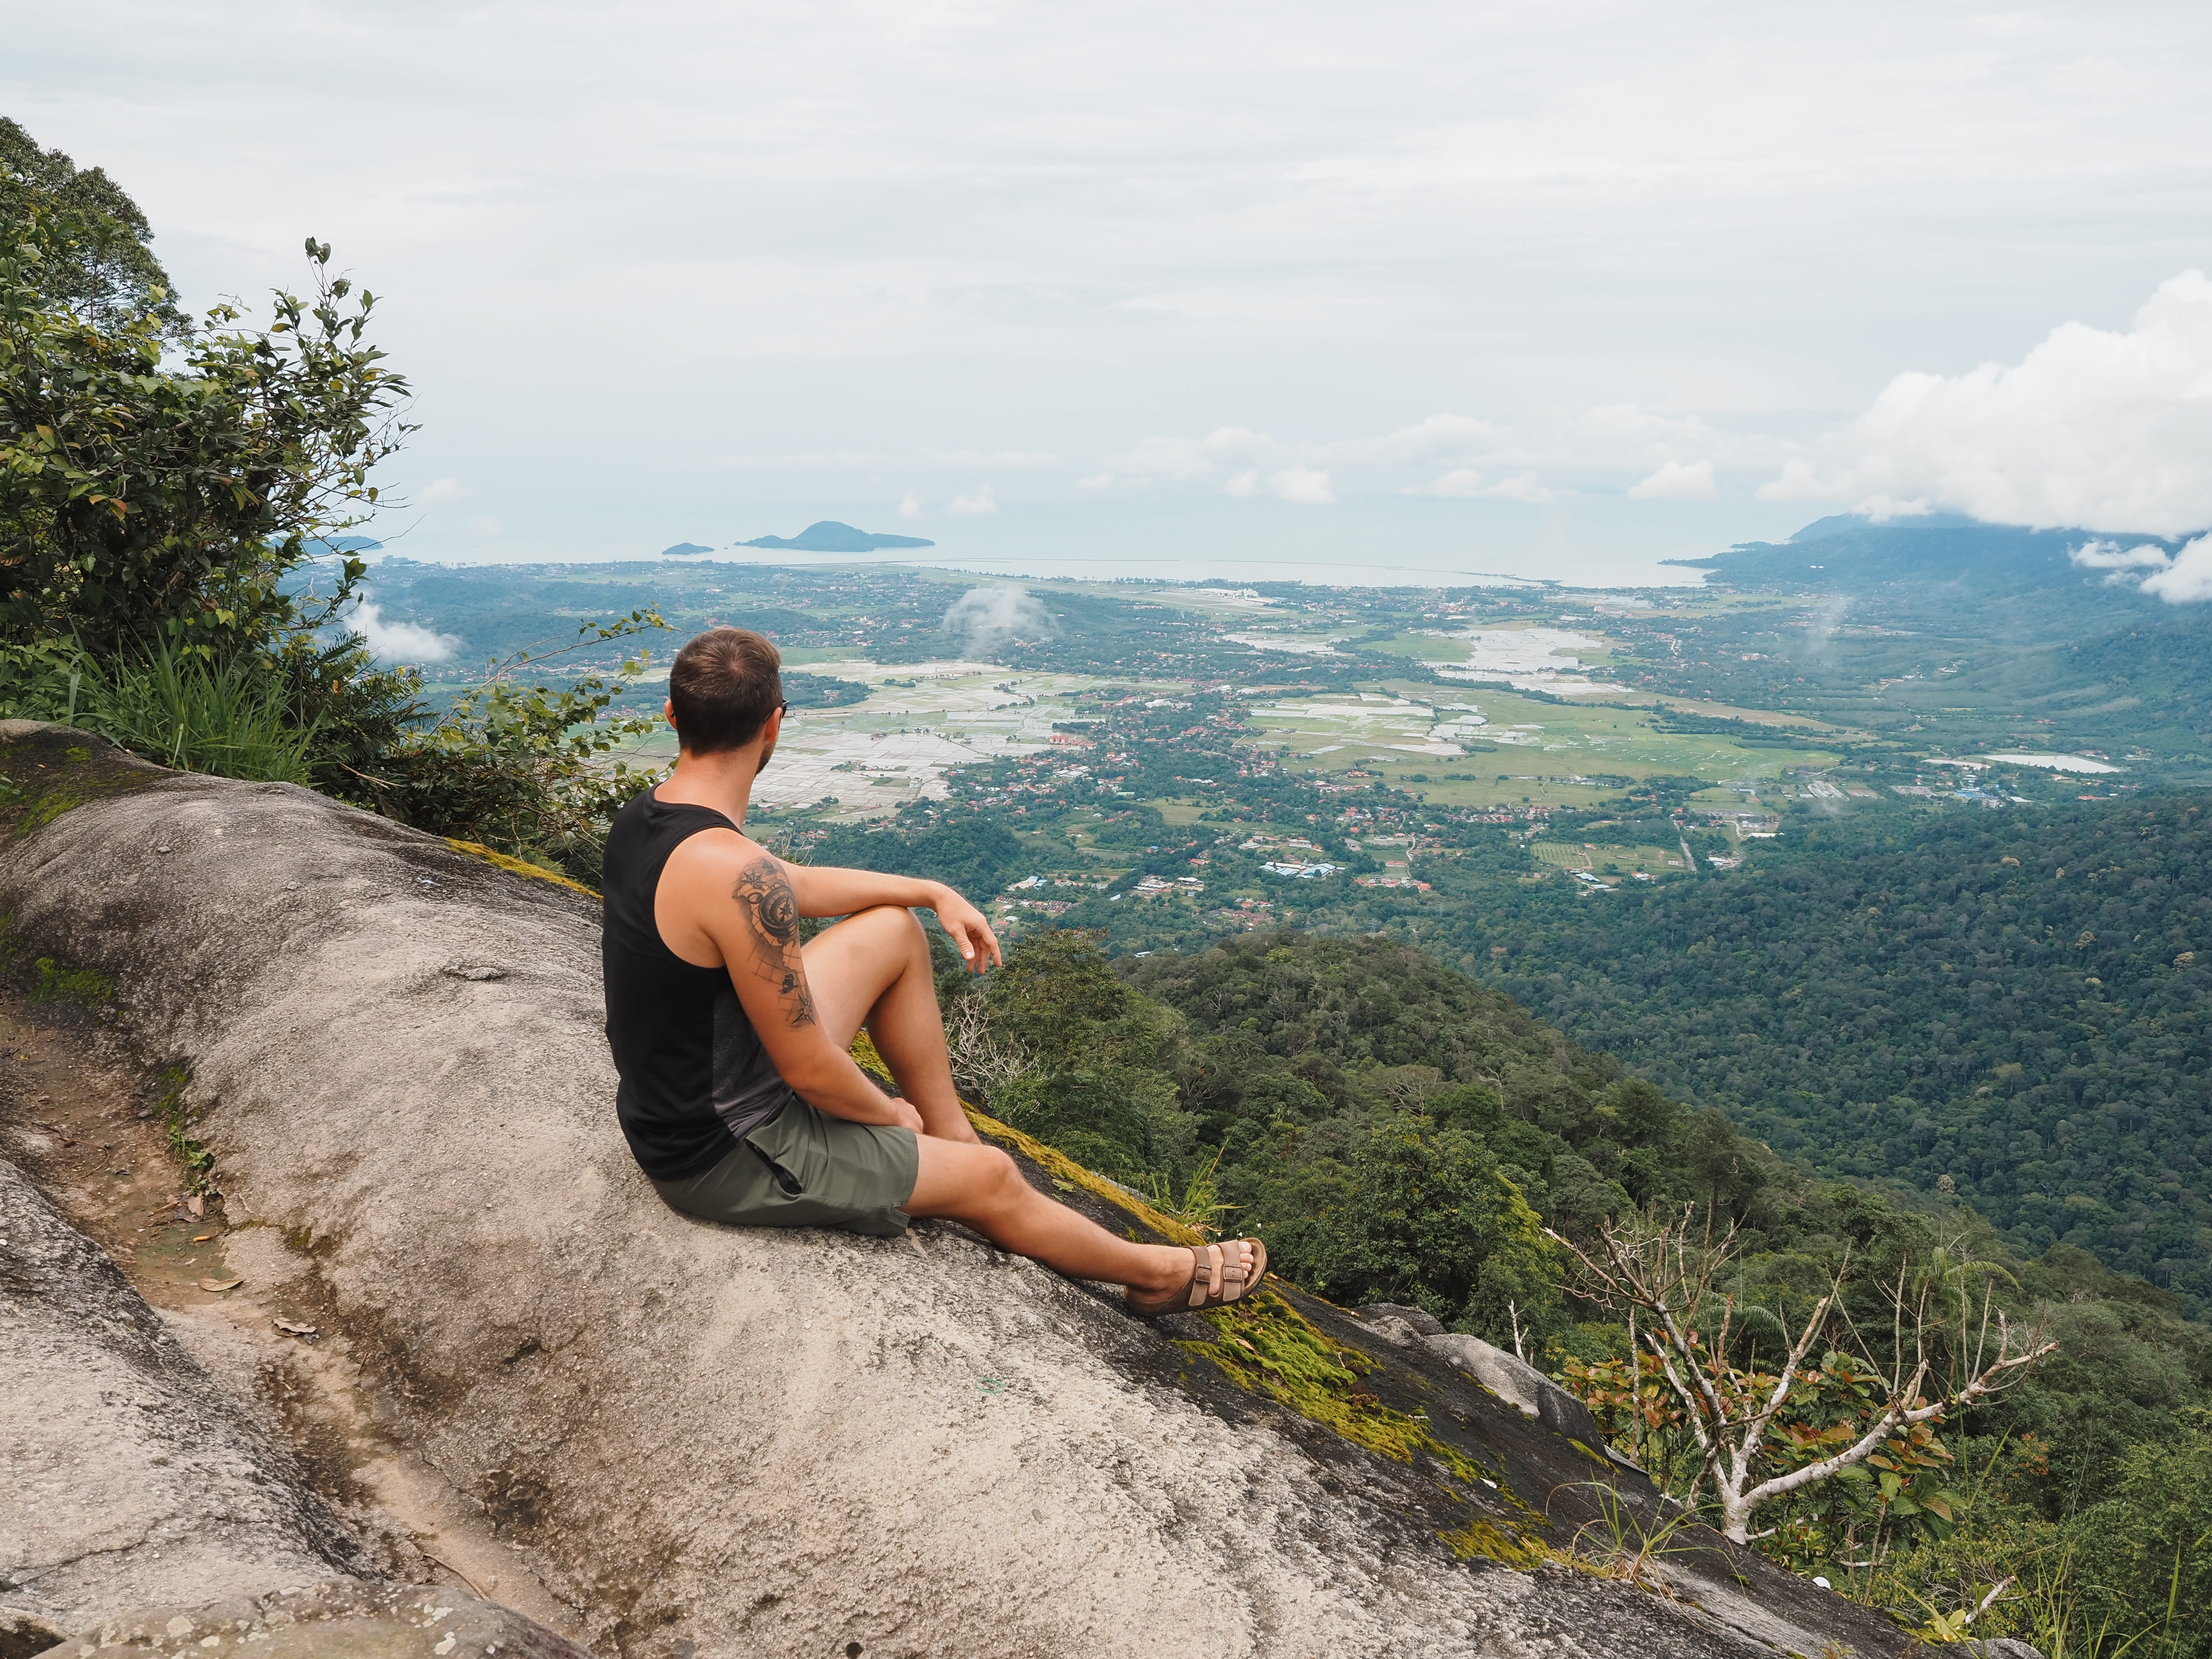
x: 668, y: 710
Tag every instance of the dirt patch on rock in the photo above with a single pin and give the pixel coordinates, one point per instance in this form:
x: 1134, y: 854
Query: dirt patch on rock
x: 345, y: 1619
x: 91, y: 1128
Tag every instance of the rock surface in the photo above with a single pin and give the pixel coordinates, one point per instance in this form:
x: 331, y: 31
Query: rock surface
x: 716, y: 1442
x: 1509, y: 1376
x: 23, y: 1632
x: 126, y: 1474
x: 337, y: 1619
x: 1518, y: 1383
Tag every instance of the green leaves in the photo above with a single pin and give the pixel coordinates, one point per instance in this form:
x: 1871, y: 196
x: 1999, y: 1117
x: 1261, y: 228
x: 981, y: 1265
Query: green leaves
x: 1103, y: 1088
x: 140, y: 504
x: 92, y: 258
x: 518, y: 766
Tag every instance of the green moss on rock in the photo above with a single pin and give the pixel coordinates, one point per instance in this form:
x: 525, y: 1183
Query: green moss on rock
x: 1492, y: 1542
x: 52, y: 982
x: 45, y: 774
x: 517, y: 866
x: 1267, y: 1347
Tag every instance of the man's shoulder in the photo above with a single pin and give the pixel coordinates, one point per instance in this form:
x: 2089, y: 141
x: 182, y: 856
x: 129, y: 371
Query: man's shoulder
x: 717, y: 846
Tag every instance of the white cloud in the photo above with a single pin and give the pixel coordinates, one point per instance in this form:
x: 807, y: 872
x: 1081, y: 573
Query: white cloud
x: 1799, y: 481
x: 1438, y: 437
x: 995, y: 458
x: 1467, y: 483
x: 2188, y: 580
x: 439, y: 490
x: 1095, y: 481
x: 1302, y: 485
x: 1676, y: 480
x: 1478, y: 457
x: 2111, y: 555
x: 2182, y: 578
x: 910, y: 508
x: 1194, y: 458
x: 979, y: 502
x: 983, y: 619
x: 2105, y: 430
x: 1523, y: 487
x: 399, y: 641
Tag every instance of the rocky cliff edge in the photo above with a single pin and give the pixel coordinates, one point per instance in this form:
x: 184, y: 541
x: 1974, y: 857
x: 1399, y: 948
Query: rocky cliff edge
x: 713, y: 1441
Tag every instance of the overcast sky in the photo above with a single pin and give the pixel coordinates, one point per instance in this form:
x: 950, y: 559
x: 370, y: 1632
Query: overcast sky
x: 1191, y: 289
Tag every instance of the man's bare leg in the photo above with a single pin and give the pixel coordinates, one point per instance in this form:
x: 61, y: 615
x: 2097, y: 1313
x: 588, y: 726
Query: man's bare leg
x: 986, y: 1189
x: 873, y: 970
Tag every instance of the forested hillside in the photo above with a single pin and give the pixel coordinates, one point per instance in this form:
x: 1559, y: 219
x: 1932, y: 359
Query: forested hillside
x: 2017, y: 1004
x: 1290, y: 1078
x: 1397, y: 1132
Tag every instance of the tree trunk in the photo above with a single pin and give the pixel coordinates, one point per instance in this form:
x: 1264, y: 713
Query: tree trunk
x: 1735, y: 1514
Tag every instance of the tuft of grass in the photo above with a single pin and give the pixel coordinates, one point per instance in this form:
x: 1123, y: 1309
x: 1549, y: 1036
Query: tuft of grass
x: 1617, y: 1544
x: 79, y: 985
x: 196, y: 1160
x: 231, y: 720
x: 1199, y: 1205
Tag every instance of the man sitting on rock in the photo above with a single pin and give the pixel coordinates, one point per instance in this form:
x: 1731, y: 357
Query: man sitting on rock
x: 738, y: 1098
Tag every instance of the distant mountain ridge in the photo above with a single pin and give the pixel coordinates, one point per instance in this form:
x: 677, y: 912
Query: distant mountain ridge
x: 830, y: 537
x: 1847, y: 548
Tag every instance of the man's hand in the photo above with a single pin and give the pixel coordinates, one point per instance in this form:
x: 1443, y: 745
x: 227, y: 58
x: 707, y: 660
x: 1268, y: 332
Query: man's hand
x: 970, y: 933
x: 906, y: 1117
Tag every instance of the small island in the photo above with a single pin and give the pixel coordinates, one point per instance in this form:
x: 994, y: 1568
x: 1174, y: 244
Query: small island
x: 830, y: 537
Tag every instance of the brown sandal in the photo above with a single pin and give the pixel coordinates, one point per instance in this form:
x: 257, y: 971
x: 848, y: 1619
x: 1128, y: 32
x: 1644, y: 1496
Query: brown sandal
x: 1216, y: 1277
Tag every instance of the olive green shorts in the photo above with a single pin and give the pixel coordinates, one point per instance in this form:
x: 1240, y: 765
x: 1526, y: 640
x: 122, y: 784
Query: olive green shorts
x: 805, y: 1168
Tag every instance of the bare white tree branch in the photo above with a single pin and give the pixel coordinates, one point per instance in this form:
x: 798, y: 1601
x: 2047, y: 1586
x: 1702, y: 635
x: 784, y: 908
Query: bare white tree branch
x: 1642, y: 1265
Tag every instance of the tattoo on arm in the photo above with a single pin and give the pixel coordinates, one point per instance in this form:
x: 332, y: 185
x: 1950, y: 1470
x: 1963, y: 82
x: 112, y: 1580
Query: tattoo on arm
x: 764, y: 899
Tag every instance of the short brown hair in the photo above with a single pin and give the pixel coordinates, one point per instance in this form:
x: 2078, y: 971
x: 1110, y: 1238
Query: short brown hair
x: 722, y: 687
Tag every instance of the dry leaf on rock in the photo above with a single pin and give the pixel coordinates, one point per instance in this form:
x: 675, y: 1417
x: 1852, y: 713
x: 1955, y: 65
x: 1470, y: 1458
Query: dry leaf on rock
x: 293, y: 1327
x: 220, y: 1284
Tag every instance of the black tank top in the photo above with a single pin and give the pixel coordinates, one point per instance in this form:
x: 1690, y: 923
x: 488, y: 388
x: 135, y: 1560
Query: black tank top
x: 694, y: 1078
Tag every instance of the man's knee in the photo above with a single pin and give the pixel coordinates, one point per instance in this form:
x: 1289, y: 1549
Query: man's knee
x: 899, y: 926
x: 968, y: 1180
x: 998, y: 1177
